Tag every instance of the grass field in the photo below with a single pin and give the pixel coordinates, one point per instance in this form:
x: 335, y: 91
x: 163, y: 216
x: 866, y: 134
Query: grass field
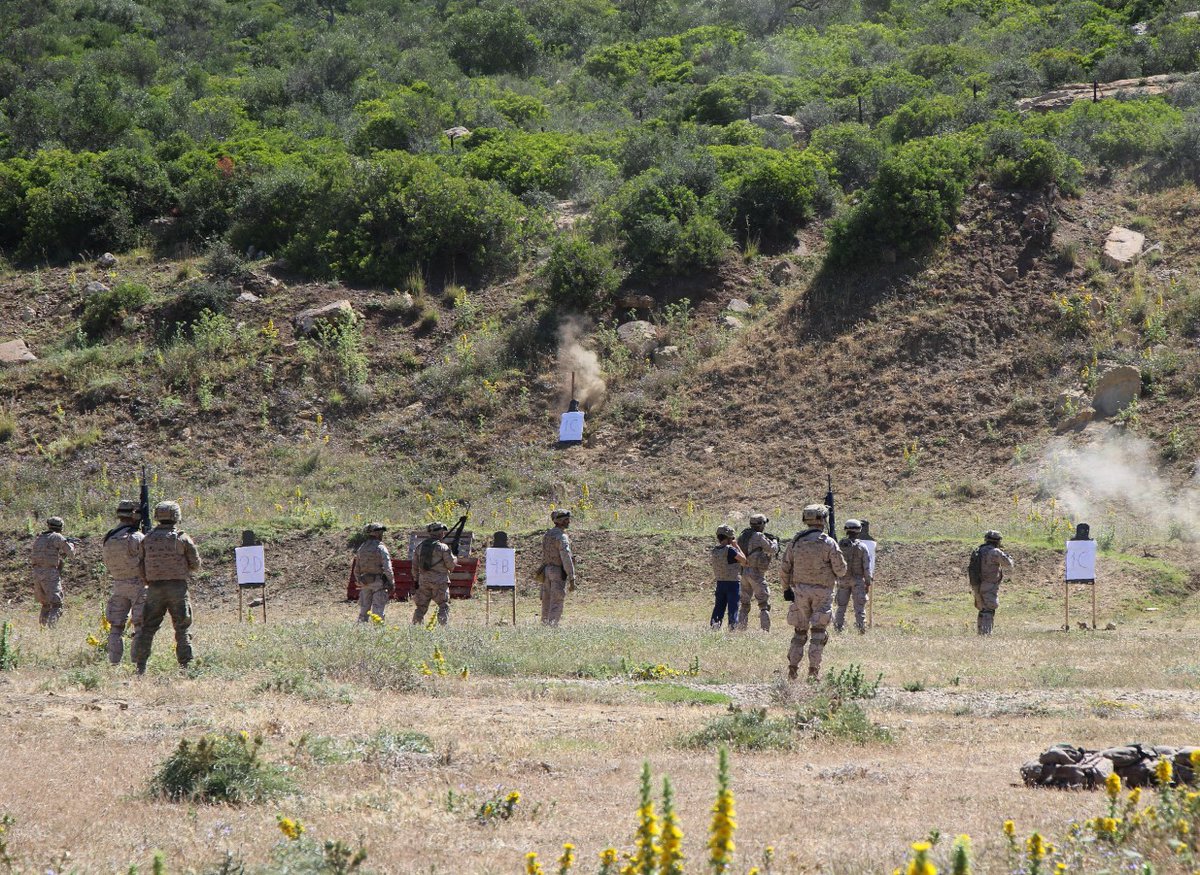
x: 567, y: 717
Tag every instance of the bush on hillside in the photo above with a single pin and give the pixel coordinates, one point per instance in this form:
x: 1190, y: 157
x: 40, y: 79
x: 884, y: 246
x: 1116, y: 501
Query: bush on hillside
x: 104, y: 310
x: 580, y: 275
x: 219, y: 769
x: 774, y: 193
x: 1019, y: 161
x: 855, y: 151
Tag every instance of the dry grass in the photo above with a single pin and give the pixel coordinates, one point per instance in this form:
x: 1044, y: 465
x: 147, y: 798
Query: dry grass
x: 80, y: 759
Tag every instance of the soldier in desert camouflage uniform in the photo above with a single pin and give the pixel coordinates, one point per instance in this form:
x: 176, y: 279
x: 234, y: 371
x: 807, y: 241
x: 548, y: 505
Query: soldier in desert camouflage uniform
x: 50, y: 550
x: 432, y: 563
x: 811, y: 566
x: 993, y: 561
x: 558, y: 568
x: 167, y: 560
x: 857, y: 582
x: 122, y: 557
x: 759, y: 550
x: 373, y: 572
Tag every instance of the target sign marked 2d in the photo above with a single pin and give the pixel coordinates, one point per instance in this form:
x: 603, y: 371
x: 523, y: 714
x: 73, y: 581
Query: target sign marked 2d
x: 501, y: 568
x: 251, y: 566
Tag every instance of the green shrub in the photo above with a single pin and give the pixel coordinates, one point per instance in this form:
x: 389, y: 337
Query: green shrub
x: 221, y: 768
x: 580, y: 275
x: 745, y: 730
x: 522, y: 162
x: 103, y: 310
x: 198, y: 298
x: 8, y: 426
x: 855, y: 151
x: 775, y: 193
x: 851, y: 683
x: 492, y: 40
x: 912, y: 203
x: 1019, y: 161
x: 9, y: 655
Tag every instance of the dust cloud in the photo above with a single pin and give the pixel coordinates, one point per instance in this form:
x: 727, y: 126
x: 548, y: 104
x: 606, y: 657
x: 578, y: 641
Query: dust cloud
x: 574, y: 357
x: 1118, y: 477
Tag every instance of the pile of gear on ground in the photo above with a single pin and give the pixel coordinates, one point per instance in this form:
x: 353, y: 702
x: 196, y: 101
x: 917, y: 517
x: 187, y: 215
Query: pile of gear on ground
x: 1076, y: 768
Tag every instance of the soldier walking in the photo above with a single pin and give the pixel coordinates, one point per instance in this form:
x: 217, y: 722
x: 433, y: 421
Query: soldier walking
x: 727, y: 559
x: 811, y: 566
x: 759, y: 550
x: 373, y: 572
x: 857, y: 582
x: 986, y: 571
x: 433, y: 561
x: 122, y: 557
x: 558, y: 568
x: 50, y: 550
x: 167, y: 560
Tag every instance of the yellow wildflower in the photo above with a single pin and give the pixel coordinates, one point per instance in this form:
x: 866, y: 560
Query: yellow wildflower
x: 920, y: 864
x: 1163, y: 772
x: 532, y: 867
x: 1036, y: 846
x: 1112, y: 786
x: 567, y: 860
x: 1010, y: 828
x: 375, y: 618
x: 1135, y: 795
x: 1194, y: 756
x: 293, y: 829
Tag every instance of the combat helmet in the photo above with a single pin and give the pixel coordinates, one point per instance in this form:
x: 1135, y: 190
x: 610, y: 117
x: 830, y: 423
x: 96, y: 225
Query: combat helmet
x: 992, y: 536
x: 757, y: 519
x: 127, y: 508
x: 435, y: 527
x: 374, y: 528
x: 852, y: 526
x: 815, y: 515
x: 54, y: 524
x: 167, y: 512
x: 725, y: 531
x: 556, y: 515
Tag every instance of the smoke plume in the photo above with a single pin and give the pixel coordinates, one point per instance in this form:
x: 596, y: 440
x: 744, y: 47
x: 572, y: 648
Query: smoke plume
x: 1115, y: 482
x: 574, y: 357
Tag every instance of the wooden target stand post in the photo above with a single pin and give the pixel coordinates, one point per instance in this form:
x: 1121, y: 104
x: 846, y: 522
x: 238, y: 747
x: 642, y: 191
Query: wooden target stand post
x: 500, y: 572
x: 1079, y: 568
x: 250, y: 571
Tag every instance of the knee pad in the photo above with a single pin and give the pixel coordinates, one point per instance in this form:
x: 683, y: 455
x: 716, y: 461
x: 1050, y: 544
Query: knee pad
x: 819, y: 637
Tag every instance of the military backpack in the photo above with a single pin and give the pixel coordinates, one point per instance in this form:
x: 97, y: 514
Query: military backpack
x: 975, y: 567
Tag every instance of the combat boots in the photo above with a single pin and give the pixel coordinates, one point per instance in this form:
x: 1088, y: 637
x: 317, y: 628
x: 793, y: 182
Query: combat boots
x: 813, y: 671
x: 793, y: 672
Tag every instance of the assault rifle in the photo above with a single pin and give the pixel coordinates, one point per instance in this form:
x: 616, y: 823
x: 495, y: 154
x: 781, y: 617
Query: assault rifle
x: 144, y: 503
x: 455, y: 533
x: 829, y: 504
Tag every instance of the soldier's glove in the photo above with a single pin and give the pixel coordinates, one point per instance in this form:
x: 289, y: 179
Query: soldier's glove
x: 788, y: 595
x: 571, y: 585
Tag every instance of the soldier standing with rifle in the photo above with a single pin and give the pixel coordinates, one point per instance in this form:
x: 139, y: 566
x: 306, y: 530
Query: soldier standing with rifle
x: 985, y: 572
x: 558, y: 568
x: 373, y: 571
x: 857, y: 582
x: 811, y: 566
x: 168, y: 558
x: 433, y: 561
x: 759, y: 548
x: 50, y: 550
x: 122, y: 557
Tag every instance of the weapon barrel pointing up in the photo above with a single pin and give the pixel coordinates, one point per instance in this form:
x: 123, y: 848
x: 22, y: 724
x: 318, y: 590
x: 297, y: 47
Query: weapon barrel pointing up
x: 829, y: 504
x: 144, y: 503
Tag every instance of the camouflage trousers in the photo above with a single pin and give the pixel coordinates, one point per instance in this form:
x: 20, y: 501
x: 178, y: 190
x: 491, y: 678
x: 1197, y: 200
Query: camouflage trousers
x: 373, y: 595
x: 439, y: 594
x: 48, y: 590
x: 164, y: 597
x: 987, y: 600
x: 554, y: 593
x: 855, y: 587
x: 128, y: 597
x: 754, y: 585
x: 809, y: 615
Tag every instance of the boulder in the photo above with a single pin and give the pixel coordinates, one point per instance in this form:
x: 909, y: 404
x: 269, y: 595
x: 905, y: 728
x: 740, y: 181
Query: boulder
x: 15, y: 352
x: 784, y: 124
x: 639, y: 335
x: 106, y: 261
x: 666, y: 355
x: 306, y: 322
x: 95, y: 287
x: 1116, y: 389
x: 731, y: 321
x: 635, y: 302
x: 260, y: 283
x: 248, y: 298
x: 1073, y: 411
x: 737, y: 305
x: 1010, y: 274
x: 1122, y: 247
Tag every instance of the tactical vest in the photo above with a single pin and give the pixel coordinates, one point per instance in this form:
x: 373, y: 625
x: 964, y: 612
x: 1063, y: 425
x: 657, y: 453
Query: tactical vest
x: 856, y: 557
x: 121, y: 553
x: 165, y: 555
x: 554, y: 542
x: 47, y: 550
x: 369, y: 558
x: 809, y: 550
x: 723, y: 569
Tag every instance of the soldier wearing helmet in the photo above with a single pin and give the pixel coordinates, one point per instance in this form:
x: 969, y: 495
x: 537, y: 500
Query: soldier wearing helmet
x: 122, y: 550
x: 433, y: 560
x: 727, y: 558
x: 759, y: 550
x: 558, y: 568
x: 373, y: 572
x: 857, y: 582
x: 50, y: 550
x: 811, y: 566
x: 167, y: 559
x: 986, y: 571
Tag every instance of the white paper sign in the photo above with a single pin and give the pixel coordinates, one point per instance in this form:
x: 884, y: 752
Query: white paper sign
x: 1081, y: 560
x: 251, y: 566
x: 571, y: 428
x: 870, y: 545
x: 501, y: 567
